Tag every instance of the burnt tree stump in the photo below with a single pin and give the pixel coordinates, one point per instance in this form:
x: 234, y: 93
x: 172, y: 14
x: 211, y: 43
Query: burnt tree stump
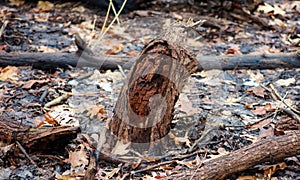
x: 143, y: 111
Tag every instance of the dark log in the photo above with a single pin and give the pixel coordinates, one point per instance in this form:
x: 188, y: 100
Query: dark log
x: 48, y: 61
x: 271, y: 149
x: 143, y: 112
x: 35, y: 139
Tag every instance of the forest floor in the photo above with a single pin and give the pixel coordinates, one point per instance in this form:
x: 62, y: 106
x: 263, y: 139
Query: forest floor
x: 217, y: 112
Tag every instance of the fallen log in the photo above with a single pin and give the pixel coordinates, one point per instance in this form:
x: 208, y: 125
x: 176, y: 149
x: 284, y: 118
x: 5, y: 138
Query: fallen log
x: 271, y: 149
x: 35, y: 139
x: 48, y: 61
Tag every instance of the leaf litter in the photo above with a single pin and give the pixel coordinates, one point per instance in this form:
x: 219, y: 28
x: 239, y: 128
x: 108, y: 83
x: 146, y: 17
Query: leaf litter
x: 226, y: 110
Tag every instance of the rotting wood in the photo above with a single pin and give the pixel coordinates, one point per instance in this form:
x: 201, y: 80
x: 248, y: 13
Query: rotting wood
x: 48, y: 61
x: 35, y: 139
x: 146, y: 102
x: 271, y: 149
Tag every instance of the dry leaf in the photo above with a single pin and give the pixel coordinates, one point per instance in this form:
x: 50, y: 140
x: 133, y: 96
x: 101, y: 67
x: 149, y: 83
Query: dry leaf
x: 260, y: 111
x: 185, y: 140
x: 136, y: 164
x: 78, y: 157
x: 268, y: 107
x: 263, y: 133
x: 9, y: 73
x: 30, y: 83
x: 142, y: 13
x: 2, y: 47
x: 121, y: 148
x: 61, y: 115
x: 45, y: 5
x: 233, y: 101
x: 43, y: 48
x: 191, y: 164
x: 222, y: 151
x: 267, y: 8
x: 247, y: 178
x: 257, y: 91
x: 258, y: 77
x: 112, y: 173
x: 115, y: 50
x: 95, y: 111
x: 185, y: 105
x: 291, y: 6
x: 285, y: 82
x: 48, y: 120
x: 233, y: 50
x: 79, y: 9
x: 269, y: 170
x: 260, y: 124
x: 16, y: 2
x: 106, y: 86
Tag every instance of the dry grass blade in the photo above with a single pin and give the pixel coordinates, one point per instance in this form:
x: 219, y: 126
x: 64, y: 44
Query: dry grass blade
x: 104, y: 30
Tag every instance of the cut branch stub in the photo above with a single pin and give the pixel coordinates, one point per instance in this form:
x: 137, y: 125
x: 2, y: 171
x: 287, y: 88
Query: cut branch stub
x: 143, y: 112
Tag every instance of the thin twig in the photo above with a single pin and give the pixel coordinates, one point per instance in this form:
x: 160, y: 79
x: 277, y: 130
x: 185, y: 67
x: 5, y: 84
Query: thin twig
x: 200, y: 164
x: 283, y: 100
x: 3, y: 27
x: 175, y: 158
x: 58, y: 100
x: 25, y: 153
x: 121, y: 71
x: 154, y: 166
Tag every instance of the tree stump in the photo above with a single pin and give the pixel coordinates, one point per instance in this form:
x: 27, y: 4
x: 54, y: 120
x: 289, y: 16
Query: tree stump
x: 143, y: 111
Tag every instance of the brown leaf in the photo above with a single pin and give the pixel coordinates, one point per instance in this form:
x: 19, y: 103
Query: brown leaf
x: 257, y: 91
x: 142, y: 13
x: 266, y: 132
x: 78, y: 157
x: 269, y: 170
x: 267, y: 8
x: 185, y: 105
x: 121, y: 148
x: 191, y: 164
x: 136, y: 164
x: 260, y: 111
x: 30, y: 83
x: 16, y: 2
x: 268, y: 107
x: 247, y: 178
x: 48, y: 120
x: 45, y: 5
x: 115, y: 50
x: 2, y: 47
x: 9, y: 73
x: 95, y: 111
x: 260, y: 124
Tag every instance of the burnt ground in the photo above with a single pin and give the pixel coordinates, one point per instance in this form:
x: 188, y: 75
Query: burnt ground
x: 226, y: 110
